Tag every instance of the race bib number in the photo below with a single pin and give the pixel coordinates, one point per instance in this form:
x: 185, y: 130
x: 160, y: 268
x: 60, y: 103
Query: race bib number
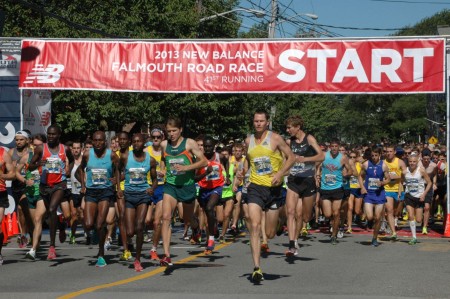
x: 262, y: 165
x: 373, y: 183
x: 214, y: 175
x: 159, y: 176
x: 354, y: 180
x: 298, y: 168
x: 413, y: 185
x: 36, y: 176
x: 173, y: 163
x: 77, y: 185
x: 54, y: 165
x: 330, y: 179
x: 137, y: 176
x: 394, y: 176
x: 99, y: 176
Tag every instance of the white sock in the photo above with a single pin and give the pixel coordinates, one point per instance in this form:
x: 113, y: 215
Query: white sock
x: 211, y: 238
x: 153, y: 248
x: 412, y: 225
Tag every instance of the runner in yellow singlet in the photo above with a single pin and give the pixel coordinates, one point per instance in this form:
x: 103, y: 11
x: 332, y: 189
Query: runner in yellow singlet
x: 265, y: 157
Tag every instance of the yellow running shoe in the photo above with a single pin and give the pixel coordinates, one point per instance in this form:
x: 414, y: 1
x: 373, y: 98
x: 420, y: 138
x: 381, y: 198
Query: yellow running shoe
x: 126, y: 255
x: 257, y: 275
x: 424, y: 230
x: 304, y: 232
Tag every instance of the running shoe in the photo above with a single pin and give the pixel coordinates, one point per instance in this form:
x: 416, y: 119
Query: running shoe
x: 304, y: 232
x: 20, y: 242
x: 333, y: 241
x: 265, y: 248
x: 195, y: 239
x: 186, y: 237
x: 382, y: 227
x: 257, y: 275
x: 147, y: 238
x: 137, y: 266
x: 405, y: 216
x: 71, y: 238
x: 31, y: 255
x: 154, y: 255
x: 51, y: 253
x: 375, y: 242
x: 165, y: 262
x: 126, y: 255
x: 424, y: 230
x: 314, y: 225
x: 233, y: 231
x: 291, y: 252
x: 388, y: 230
x: 221, y: 240
x: 108, y: 243
x: 1, y: 260
x: 413, y: 241
x: 394, y: 237
x: 340, y: 233
x: 209, y: 247
x: 62, y: 234
x: 100, y: 262
x: 280, y: 229
x: 349, y: 231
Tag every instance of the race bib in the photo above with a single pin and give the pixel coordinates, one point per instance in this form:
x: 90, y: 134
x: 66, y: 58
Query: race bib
x: 298, y: 168
x: 354, y: 180
x: 413, y: 185
x: 373, y: 183
x: 262, y: 165
x: 77, y: 185
x: 172, y: 164
x: 99, y: 176
x: 36, y: 176
x: 137, y: 176
x: 53, y: 165
x: 214, y: 175
x: 330, y: 179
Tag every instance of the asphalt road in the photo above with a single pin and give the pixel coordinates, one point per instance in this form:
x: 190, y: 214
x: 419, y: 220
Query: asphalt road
x: 350, y: 269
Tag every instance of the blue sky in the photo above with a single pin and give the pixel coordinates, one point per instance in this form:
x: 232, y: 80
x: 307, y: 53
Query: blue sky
x: 380, y: 14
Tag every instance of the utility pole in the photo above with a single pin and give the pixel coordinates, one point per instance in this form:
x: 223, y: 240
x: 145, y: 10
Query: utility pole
x: 273, y: 19
x: 199, y: 7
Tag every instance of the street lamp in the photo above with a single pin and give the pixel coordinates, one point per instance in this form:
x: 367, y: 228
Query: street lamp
x: 257, y: 13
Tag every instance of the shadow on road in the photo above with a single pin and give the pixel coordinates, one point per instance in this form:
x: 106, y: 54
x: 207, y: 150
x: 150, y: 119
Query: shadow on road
x: 170, y: 269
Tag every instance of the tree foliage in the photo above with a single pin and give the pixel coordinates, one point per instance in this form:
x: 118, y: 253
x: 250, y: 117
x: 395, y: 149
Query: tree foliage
x: 352, y: 118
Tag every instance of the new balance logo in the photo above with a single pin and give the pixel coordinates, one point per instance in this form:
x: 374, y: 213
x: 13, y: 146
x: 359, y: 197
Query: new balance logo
x: 49, y: 74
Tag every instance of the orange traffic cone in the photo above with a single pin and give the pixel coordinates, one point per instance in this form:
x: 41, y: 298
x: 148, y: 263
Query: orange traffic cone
x: 447, y: 226
x: 5, y: 230
x: 15, y: 225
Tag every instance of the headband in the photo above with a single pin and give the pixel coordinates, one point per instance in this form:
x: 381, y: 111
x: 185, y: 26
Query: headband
x: 157, y: 131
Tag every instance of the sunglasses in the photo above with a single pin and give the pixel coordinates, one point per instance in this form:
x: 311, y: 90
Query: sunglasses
x: 156, y: 136
x: 352, y: 157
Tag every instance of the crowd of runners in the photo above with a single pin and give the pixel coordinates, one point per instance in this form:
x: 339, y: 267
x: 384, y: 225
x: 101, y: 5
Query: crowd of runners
x: 267, y: 185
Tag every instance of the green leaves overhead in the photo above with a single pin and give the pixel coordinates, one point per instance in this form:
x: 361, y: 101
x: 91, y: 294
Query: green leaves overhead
x: 352, y: 118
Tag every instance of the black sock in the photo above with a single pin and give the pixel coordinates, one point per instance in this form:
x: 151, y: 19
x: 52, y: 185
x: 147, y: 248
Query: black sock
x: 292, y: 244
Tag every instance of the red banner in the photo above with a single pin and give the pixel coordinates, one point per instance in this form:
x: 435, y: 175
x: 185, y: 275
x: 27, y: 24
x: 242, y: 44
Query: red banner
x: 352, y: 66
